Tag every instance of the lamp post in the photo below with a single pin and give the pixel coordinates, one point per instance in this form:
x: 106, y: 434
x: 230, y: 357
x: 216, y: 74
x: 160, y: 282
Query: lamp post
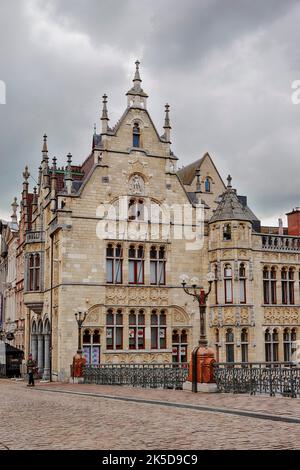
x: 80, y: 320
x: 201, y: 353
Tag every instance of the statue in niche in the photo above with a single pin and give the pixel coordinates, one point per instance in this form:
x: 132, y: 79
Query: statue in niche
x: 136, y: 185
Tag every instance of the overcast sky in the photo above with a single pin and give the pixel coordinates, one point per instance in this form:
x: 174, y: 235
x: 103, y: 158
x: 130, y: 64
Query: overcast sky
x: 226, y: 68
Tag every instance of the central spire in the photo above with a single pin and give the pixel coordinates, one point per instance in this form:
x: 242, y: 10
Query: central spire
x: 136, y: 97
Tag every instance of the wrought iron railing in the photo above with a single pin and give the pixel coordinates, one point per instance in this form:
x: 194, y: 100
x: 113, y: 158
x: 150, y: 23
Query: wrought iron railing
x: 276, y: 378
x: 171, y: 375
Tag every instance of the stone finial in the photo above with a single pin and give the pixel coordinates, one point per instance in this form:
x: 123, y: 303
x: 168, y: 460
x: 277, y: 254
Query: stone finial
x: 104, y: 117
x: 54, y: 160
x: 26, y: 174
x: 69, y: 160
x: 229, y: 179
x: 137, y: 77
x: 167, y: 117
x: 45, y: 149
x: 45, y: 146
x: 95, y: 129
x: 198, y: 181
x: 14, y: 207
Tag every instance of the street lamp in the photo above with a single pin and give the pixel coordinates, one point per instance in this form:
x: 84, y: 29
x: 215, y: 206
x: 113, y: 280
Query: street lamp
x: 201, y: 355
x: 80, y: 320
x: 201, y: 296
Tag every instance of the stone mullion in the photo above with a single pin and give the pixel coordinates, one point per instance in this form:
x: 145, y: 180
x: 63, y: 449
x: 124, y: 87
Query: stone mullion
x: 148, y: 329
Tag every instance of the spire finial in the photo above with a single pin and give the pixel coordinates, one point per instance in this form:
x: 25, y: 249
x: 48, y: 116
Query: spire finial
x: 229, y: 179
x: 104, y: 108
x: 45, y: 149
x: 14, y: 206
x: 167, y: 117
x: 69, y: 160
x: 137, y: 72
x: 26, y: 174
x: 95, y: 129
x: 54, y: 160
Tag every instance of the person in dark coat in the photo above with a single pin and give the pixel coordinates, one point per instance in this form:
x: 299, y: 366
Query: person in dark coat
x: 31, y: 368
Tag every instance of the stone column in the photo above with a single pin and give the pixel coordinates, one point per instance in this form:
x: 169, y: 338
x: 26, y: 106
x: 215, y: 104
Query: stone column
x: 34, y: 349
x: 46, y: 375
x: 40, y: 353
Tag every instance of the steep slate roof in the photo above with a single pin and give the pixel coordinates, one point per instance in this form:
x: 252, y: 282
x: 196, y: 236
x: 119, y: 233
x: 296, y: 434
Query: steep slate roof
x: 187, y: 174
x: 230, y: 208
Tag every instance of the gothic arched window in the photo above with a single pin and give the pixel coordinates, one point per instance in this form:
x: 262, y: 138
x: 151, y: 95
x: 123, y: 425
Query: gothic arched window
x: 136, y: 135
x: 207, y: 185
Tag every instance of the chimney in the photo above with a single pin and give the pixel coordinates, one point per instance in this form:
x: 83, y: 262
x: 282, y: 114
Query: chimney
x: 280, y: 227
x: 294, y: 222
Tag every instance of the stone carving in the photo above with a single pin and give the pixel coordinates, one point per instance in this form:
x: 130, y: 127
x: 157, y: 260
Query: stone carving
x: 282, y: 316
x: 228, y: 317
x: 136, y: 184
x: 129, y: 358
x: 136, y: 296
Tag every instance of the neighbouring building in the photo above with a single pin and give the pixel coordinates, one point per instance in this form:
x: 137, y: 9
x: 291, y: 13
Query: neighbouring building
x: 86, y: 246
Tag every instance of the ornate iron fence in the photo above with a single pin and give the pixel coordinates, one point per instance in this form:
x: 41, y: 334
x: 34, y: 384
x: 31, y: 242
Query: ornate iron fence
x: 171, y: 375
x: 276, y: 378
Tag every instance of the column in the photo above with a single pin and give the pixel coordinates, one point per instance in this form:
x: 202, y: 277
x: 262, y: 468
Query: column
x: 34, y: 347
x: 40, y: 353
x: 46, y: 374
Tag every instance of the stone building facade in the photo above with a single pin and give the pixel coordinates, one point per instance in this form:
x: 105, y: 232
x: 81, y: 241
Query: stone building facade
x: 112, y: 237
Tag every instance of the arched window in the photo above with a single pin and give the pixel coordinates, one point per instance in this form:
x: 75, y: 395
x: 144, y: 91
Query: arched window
x: 114, y: 264
x: 228, y: 284
x: 136, y: 209
x: 157, y: 266
x: 207, y: 185
x: 114, y: 330
x: 91, y: 346
x: 136, y: 264
x: 34, y: 272
x: 271, y: 345
x: 136, y: 135
x: 229, y: 341
x: 242, y: 283
x: 158, y: 330
x: 289, y: 337
x: 179, y: 346
x: 227, y: 232
x: 136, y: 330
x: 244, y: 344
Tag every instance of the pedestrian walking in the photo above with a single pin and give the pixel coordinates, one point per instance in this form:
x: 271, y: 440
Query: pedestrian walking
x: 31, y: 368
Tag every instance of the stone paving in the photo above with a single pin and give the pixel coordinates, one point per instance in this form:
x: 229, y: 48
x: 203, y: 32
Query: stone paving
x: 35, y: 418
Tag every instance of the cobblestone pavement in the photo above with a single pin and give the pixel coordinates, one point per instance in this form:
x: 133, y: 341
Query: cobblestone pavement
x: 37, y: 418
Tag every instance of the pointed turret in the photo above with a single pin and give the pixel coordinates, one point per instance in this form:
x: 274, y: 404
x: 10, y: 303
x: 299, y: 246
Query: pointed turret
x: 53, y: 185
x: 229, y: 207
x: 104, y: 117
x: 136, y: 97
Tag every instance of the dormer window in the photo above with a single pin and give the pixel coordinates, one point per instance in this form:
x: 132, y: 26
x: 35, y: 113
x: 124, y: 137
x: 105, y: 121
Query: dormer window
x: 136, y: 135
